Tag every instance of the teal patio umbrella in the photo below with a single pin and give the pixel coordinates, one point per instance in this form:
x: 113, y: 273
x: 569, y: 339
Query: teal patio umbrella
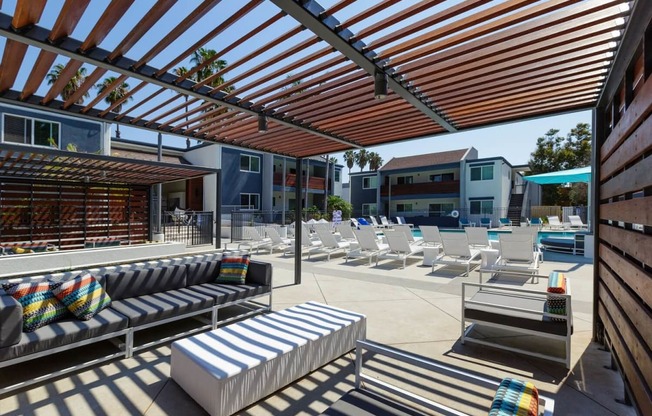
x: 566, y: 176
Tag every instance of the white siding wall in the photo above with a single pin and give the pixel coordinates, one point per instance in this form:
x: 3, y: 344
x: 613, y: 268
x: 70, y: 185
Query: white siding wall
x: 209, y: 156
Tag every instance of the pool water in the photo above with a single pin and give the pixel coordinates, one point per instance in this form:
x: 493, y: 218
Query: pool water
x: 493, y: 235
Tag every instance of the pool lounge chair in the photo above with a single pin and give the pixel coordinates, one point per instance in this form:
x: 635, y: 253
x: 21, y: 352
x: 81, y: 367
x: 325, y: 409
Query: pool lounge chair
x: 401, y: 220
x: 346, y: 232
x: 535, y: 222
x: 329, y: 244
x: 477, y: 237
x: 534, y: 233
x: 277, y: 240
x: 576, y: 222
x: 368, y: 246
x: 464, y: 222
x: 485, y: 222
x: 399, y: 247
x: 505, y: 222
x: 517, y: 256
x: 385, y: 222
x: 430, y: 235
x: 307, y: 243
x: 456, y: 252
x: 554, y: 223
x: 375, y: 223
x: 405, y: 229
x: 254, y: 241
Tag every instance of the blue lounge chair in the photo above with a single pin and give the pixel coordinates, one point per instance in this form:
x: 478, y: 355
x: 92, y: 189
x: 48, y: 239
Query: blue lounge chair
x: 485, y: 222
x: 362, y: 221
x: 464, y: 222
x: 535, y: 222
x: 505, y: 222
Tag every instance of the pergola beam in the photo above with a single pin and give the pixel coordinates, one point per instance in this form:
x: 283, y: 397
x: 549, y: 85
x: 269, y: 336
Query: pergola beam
x: 312, y: 15
x: 37, y: 37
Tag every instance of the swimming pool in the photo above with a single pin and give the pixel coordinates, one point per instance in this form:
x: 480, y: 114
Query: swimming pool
x: 493, y: 234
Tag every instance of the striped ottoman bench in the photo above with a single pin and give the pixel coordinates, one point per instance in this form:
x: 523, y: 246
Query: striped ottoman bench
x: 232, y: 367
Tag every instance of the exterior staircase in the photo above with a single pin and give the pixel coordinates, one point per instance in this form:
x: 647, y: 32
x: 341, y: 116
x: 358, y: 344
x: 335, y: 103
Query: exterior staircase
x: 514, y: 210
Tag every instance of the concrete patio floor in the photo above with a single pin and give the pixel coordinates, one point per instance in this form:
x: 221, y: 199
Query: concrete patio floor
x: 411, y: 309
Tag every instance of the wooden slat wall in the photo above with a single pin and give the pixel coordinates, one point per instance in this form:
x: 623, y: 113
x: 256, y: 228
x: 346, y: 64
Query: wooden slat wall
x: 66, y: 215
x: 623, y: 292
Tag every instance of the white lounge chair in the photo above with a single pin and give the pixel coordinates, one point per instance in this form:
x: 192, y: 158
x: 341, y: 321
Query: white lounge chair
x: 478, y: 237
x: 456, y: 252
x: 517, y: 255
x: 307, y: 244
x: 277, y: 240
x: 576, y: 222
x: 346, y: 232
x: 399, y: 247
x: 401, y: 220
x: 254, y: 241
x: 405, y: 229
x: 534, y: 233
x: 430, y: 235
x: 329, y: 244
x: 385, y: 222
x: 368, y: 246
x: 374, y: 222
x: 554, y: 223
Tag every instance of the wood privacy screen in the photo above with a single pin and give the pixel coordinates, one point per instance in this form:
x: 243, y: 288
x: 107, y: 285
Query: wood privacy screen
x: 66, y: 215
x: 623, y: 270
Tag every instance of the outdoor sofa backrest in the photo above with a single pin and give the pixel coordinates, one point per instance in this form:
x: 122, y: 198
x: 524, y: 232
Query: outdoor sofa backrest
x: 140, y: 282
x: 206, y: 272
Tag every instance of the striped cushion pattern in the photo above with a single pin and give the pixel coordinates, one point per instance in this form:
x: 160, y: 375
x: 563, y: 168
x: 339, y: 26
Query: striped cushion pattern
x: 557, y: 283
x: 515, y: 397
x: 556, y: 304
x: 84, y: 296
x: 233, y: 269
x: 40, y: 307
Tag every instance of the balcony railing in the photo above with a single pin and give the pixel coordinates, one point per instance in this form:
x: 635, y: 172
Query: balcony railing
x: 447, y: 187
x: 314, y: 182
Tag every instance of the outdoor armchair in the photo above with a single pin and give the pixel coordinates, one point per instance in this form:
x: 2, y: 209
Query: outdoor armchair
x: 505, y: 222
x: 464, y: 222
x: 485, y: 222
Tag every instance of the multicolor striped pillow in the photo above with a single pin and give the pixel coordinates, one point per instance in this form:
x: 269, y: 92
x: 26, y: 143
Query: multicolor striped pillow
x: 556, y: 304
x: 84, y: 296
x: 40, y: 307
x: 233, y: 269
x: 515, y: 397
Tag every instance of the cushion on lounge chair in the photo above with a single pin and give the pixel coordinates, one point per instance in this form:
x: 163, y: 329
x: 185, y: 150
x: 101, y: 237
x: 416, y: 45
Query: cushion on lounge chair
x: 233, y: 269
x: 515, y: 397
x: 40, y: 307
x: 556, y: 304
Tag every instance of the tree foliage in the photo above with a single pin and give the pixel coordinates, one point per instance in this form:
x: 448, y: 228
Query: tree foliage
x: 349, y: 159
x: 73, y: 84
x: 362, y: 158
x: 118, y: 93
x: 335, y: 202
x: 553, y: 153
x: 375, y: 161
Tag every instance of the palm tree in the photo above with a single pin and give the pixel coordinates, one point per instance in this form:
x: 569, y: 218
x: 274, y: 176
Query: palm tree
x: 361, y: 158
x: 349, y: 159
x: 117, y: 94
x: 72, y: 86
x: 202, y: 55
x: 375, y: 161
x: 181, y: 71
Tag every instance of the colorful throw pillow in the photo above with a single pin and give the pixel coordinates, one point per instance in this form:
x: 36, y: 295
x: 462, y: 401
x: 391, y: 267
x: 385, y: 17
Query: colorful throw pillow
x: 84, y: 296
x: 515, y: 397
x: 233, y: 269
x: 556, y: 304
x: 40, y: 307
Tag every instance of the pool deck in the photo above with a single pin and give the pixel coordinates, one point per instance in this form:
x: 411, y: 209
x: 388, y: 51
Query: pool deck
x: 412, y: 309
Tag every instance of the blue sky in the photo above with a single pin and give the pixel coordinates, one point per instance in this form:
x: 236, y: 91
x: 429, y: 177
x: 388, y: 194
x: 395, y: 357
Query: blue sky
x: 513, y: 141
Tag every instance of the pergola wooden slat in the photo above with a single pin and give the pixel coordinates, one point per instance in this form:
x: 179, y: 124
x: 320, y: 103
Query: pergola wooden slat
x: 478, y: 63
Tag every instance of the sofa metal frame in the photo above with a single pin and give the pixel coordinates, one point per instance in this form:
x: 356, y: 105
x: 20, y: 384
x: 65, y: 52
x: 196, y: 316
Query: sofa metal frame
x: 363, y: 382
x: 524, y: 293
x: 128, y: 348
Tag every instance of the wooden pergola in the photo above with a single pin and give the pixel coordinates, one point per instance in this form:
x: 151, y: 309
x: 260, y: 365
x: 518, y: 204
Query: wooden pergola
x: 305, y: 80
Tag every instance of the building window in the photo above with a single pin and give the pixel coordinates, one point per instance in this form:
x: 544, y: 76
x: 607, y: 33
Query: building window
x: 249, y: 163
x: 482, y: 173
x: 370, y: 182
x: 482, y: 207
x: 25, y: 130
x: 250, y: 201
x: 369, y: 209
x: 440, y: 210
x: 403, y: 207
x: 442, y: 177
x: 338, y: 176
x: 403, y: 180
